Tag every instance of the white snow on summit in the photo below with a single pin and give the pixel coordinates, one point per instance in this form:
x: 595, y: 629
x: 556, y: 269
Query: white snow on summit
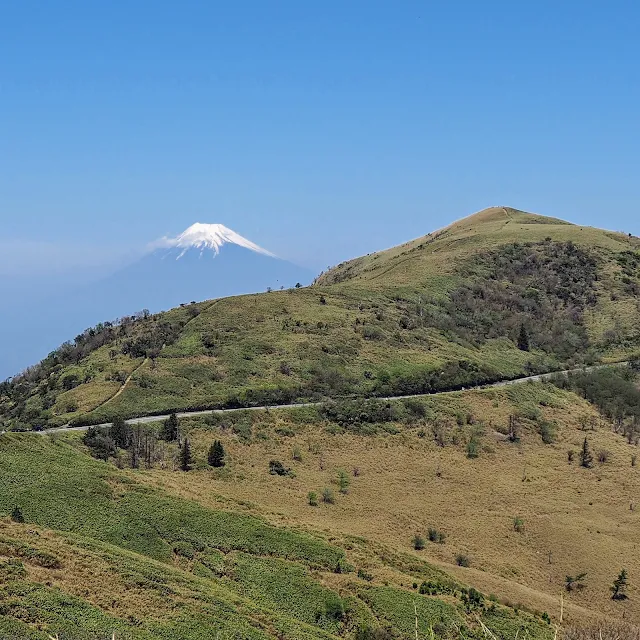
x: 208, y: 236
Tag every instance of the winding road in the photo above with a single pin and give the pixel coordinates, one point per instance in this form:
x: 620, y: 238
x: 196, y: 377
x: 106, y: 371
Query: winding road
x: 188, y: 414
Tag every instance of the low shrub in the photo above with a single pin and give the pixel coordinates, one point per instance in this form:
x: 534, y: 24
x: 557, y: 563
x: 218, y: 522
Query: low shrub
x: 518, y: 524
x: 547, y: 431
x: 436, y: 536
x: 418, y: 542
x: 463, y: 560
x: 364, y: 575
x: 327, y: 496
x: 473, y: 447
x: 276, y: 468
x: 184, y: 549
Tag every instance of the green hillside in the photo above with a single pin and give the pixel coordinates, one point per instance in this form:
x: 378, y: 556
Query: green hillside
x: 440, y: 312
x: 461, y: 513
x: 101, y: 551
x: 486, y: 512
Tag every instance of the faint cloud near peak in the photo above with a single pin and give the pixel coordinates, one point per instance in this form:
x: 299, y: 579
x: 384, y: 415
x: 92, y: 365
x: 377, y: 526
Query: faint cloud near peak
x: 32, y: 258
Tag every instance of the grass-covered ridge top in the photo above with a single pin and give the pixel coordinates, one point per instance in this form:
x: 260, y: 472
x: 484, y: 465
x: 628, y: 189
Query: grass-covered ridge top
x: 483, y: 230
x: 441, y: 312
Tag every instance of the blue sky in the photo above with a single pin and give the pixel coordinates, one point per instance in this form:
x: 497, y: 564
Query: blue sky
x: 319, y: 130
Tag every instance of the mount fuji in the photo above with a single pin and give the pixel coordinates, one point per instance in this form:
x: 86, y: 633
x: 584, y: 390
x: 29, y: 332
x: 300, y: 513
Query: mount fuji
x: 205, y: 261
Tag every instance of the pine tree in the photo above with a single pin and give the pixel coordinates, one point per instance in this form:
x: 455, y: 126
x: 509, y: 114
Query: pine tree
x: 586, y: 458
x: 523, y: 339
x: 216, y: 454
x: 619, y: 586
x: 186, y: 460
x: 120, y: 433
x: 170, y: 428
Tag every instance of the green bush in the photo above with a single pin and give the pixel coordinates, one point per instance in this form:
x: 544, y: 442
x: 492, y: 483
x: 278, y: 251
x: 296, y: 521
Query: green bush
x: 17, y: 515
x: 547, y: 431
x: 327, y: 496
x: 473, y: 447
x: 343, y: 481
x: 364, y: 575
x: 436, y: 536
x: 418, y: 542
x: 463, y: 560
x: 312, y: 497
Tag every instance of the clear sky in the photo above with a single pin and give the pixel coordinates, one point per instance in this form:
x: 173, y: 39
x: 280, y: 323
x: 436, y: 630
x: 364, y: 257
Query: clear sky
x: 320, y: 130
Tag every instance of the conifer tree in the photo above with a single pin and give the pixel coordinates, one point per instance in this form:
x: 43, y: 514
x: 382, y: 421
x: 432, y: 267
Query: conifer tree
x: 619, y: 586
x: 523, y: 339
x: 170, y: 428
x: 216, y: 454
x: 120, y: 433
x: 186, y: 460
x: 586, y: 457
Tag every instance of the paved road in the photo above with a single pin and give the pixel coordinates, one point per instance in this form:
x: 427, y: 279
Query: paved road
x: 188, y: 414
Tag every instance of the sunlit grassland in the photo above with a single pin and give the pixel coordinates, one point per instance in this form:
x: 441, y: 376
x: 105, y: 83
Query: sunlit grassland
x: 406, y: 483
x: 104, y: 550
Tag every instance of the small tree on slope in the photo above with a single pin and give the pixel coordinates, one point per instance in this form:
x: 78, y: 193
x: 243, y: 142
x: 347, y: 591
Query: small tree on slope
x: 216, y: 454
x: 186, y: 460
x: 523, y: 339
x: 586, y: 457
x: 619, y: 586
x: 170, y: 427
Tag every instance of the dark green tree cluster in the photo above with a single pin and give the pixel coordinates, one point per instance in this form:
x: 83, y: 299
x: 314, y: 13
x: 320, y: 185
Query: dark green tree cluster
x: 614, y: 391
x: 139, y: 334
x: 534, y: 293
x: 138, y: 441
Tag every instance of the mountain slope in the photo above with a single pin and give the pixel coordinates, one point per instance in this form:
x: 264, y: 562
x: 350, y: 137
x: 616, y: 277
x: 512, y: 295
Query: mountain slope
x: 438, y: 253
x: 444, y: 311
x: 243, y: 552
x: 106, y: 552
x: 205, y: 261
x: 314, y: 526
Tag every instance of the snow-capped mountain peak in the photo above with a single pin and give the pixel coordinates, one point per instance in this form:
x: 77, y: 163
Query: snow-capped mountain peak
x: 208, y: 236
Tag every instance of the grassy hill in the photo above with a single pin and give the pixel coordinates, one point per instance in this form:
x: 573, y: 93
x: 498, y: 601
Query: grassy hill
x: 357, y: 518
x: 104, y: 550
x: 482, y: 477
x: 441, y: 312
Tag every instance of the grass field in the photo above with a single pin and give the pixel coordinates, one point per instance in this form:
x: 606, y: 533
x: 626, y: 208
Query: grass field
x: 163, y: 554
x: 240, y: 551
x: 574, y: 519
x: 358, y: 518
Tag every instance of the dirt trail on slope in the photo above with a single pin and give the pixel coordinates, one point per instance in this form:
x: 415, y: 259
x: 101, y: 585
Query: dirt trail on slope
x: 130, y: 376
x: 124, y: 384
